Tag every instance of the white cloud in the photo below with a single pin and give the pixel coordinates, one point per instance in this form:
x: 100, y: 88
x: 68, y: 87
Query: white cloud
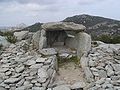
x: 16, y: 7
x: 83, y: 2
x: 47, y: 10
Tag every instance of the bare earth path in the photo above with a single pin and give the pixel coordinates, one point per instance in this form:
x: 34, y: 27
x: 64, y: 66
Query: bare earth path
x: 69, y: 73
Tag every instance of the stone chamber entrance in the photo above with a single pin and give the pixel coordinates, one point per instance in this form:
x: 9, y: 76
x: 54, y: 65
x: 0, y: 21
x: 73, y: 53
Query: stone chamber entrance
x: 68, y: 42
x: 56, y: 38
x: 69, y: 70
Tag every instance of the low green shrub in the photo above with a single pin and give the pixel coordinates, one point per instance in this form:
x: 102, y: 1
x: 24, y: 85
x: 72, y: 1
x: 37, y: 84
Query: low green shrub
x: 109, y: 39
x: 1, y: 46
x: 9, y: 36
x: 74, y: 59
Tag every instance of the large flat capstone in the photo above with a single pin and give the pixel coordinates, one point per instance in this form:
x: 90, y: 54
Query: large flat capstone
x: 66, y: 26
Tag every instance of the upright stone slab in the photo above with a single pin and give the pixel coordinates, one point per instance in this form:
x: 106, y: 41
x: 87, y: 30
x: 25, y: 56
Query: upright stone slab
x: 35, y: 39
x: 42, y: 41
x: 84, y: 44
x: 3, y: 41
x: 81, y: 42
x: 21, y: 35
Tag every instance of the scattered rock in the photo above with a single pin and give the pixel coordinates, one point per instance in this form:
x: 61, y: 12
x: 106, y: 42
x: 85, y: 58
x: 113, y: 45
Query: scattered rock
x: 88, y: 74
x: 63, y: 26
x: 4, y: 42
x: 78, y: 85
x: 12, y: 80
x: 30, y: 62
x: 41, y: 60
x: 42, y: 75
x: 20, y: 69
x: 48, y: 51
x: 21, y: 35
x: 109, y: 70
x: 61, y: 87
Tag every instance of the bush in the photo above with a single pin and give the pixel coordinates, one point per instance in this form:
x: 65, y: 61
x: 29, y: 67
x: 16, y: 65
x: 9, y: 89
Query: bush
x: 10, y: 37
x: 1, y: 33
x: 105, y: 38
x: 109, y: 39
x: 1, y: 46
x: 115, y: 39
x: 62, y: 62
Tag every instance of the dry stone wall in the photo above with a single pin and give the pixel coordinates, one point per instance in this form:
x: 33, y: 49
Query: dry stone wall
x: 102, y: 67
x: 21, y: 70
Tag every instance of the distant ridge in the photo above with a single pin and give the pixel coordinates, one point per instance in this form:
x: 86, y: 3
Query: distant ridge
x: 33, y: 28
x: 96, y: 25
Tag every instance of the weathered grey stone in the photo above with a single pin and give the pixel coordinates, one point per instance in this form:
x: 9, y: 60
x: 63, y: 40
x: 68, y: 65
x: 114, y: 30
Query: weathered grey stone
x: 2, y: 88
x: 108, y: 86
x: 84, y: 62
x: 94, y: 69
x: 19, y: 69
x: 38, y: 84
x: 81, y: 42
x: 102, y: 73
x: 63, y: 26
x: 42, y: 41
x: 64, y: 55
x: 46, y: 83
x: 21, y: 88
x: 27, y: 87
x: 114, y: 78
x: 36, y: 66
x: 29, y: 78
x: 50, y: 71
x: 1, y: 80
x: 20, y: 83
x: 49, y: 89
x: 21, y: 35
x: 16, y: 75
x: 116, y: 67
x: 116, y: 82
x: 78, y: 85
x: 36, y: 39
x: 61, y: 87
x: 30, y: 62
x: 33, y: 81
x: 41, y: 60
x: 109, y: 70
x: 101, y: 81
x: 23, y: 59
x: 95, y: 73
x: 48, y: 51
x: 8, y: 73
x: 12, y: 80
x: 88, y: 74
x: 38, y: 88
x: 42, y: 75
x: 48, y: 61
x: 4, y: 42
x: 26, y: 83
x: 2, y: 70
x: 92, y: 63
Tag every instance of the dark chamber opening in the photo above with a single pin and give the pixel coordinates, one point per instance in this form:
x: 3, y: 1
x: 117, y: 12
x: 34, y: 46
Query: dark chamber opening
x: 56, y: 38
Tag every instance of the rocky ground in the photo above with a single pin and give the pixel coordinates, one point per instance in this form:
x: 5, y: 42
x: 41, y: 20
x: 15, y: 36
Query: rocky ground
x: 102, y: 69
x: 24, y: 69
x: 70, y: 74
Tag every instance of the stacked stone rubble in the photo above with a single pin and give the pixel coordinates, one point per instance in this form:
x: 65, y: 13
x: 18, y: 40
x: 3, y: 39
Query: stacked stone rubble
x: 21, y: 70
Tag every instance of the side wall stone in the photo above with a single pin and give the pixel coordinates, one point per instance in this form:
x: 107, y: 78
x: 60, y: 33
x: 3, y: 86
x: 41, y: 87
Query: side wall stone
x: 81, y: 42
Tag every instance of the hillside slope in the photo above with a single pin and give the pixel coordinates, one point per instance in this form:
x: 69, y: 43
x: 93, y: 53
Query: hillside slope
x: 96, y: 25
x: 33, y: 28
x: 100, y: 28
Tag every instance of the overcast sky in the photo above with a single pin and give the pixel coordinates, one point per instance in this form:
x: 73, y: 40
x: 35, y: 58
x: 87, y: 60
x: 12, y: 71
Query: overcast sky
x: 13, y: 12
